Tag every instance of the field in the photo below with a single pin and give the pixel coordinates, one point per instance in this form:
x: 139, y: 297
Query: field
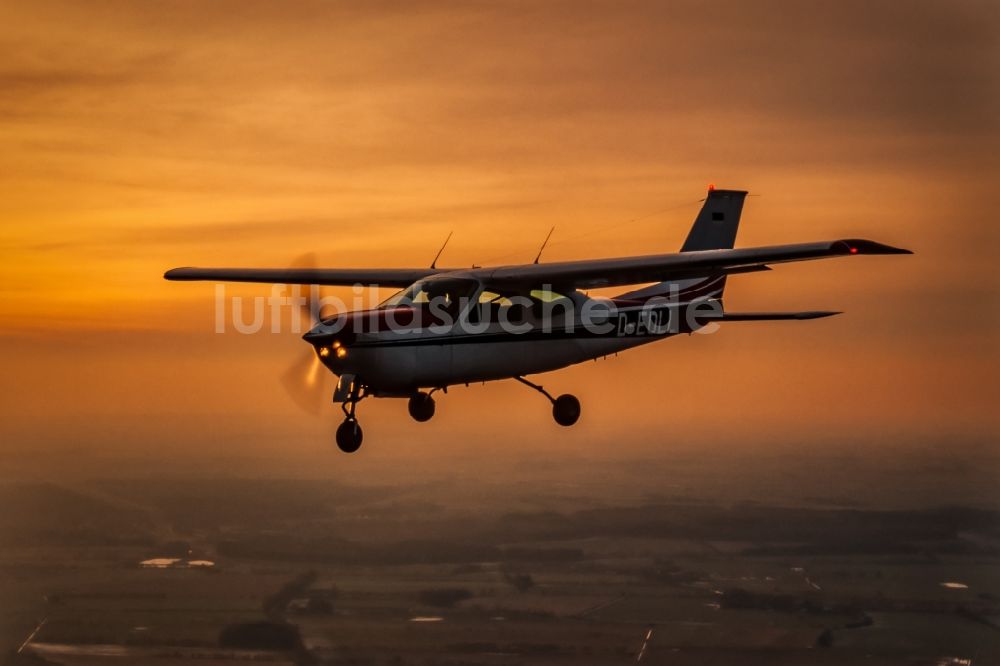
x: 563, y: 564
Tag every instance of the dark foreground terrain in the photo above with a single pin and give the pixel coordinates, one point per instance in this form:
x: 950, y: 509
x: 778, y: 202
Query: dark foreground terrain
x: 596, y: 563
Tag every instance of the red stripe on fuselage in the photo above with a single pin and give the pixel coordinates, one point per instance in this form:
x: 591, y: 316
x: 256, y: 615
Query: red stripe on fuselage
x: 381, y: 320
x: 706, y: 288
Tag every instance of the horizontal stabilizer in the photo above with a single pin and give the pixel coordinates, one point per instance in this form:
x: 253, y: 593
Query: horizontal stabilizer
x: 775, y: 316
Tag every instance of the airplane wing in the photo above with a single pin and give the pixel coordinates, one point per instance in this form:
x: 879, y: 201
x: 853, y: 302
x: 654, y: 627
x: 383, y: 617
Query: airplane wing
x: 679, y: 265
x: 382, y: 277
x: 587, y: 274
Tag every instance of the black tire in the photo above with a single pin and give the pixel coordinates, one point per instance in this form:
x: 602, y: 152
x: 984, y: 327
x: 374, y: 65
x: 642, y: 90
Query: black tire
x: 349, y: 436
x: 566, y: 410
x: 421, y: 407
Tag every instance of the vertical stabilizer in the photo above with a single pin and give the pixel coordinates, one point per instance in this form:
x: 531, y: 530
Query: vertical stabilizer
x: 716, y: 225
x: 714, y: 229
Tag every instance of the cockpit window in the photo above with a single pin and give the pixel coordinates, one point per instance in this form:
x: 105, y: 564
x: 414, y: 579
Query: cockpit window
x: 451, y: 291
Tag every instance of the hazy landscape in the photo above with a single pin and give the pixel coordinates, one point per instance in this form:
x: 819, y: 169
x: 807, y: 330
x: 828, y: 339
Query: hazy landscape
x: 681, y: 559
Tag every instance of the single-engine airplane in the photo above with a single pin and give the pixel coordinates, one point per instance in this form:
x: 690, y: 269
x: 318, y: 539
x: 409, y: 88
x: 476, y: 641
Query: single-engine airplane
x: 450, y: 326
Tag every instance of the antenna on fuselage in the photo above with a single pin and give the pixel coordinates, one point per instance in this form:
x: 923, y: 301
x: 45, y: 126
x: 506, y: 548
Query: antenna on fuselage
x: 438, y: 255
x: 544, y: 243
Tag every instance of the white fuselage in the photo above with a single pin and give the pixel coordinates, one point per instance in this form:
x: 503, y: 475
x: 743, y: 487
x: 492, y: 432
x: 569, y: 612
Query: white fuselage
x: 394, y: 351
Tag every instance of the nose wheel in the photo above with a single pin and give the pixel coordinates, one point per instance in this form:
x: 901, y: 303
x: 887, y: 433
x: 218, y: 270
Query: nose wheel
x: 565, y: 409
x: 349, y: 433
x: 349, y: 436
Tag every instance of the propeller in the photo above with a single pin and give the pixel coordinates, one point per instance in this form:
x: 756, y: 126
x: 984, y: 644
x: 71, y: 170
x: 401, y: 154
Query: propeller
x: 306, y: 379
x: 310, y: 307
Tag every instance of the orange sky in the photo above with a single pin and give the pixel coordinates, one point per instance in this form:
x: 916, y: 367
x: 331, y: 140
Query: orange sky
x: 138, y: 137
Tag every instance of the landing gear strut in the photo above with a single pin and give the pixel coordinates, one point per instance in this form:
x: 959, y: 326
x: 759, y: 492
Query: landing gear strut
x: 421, y: 406
x: 349, y: 433
x: 565, y: 408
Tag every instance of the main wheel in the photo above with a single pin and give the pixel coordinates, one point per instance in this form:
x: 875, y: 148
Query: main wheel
x: 421, y: 407
x: 349, y: 436
x: 566, y: 410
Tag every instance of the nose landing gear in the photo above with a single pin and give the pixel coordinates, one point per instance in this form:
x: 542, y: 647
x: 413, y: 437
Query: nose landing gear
x: 349, y: 433
x: 349, y: 436
x: 565, y: 408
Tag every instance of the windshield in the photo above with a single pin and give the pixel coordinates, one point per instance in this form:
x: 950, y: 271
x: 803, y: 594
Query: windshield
x: 451, y: 290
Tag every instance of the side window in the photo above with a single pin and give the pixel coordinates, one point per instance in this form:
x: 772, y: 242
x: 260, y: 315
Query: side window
x: 551, y: 307
x: 493, y: 298
x: 546, y: 295
x: 489, y: 307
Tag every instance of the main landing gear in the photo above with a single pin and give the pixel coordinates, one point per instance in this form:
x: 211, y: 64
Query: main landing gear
x: 565, y: 408
x: 421, y: 406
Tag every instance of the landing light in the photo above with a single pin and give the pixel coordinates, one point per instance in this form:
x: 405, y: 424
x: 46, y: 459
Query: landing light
x: 324, y: 352
x: 336, y: 343
x: 341, y: 352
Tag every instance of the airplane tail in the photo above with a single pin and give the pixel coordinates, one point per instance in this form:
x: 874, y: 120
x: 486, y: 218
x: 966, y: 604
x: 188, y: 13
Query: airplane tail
x: 717, y: 222
x: 714, y: 229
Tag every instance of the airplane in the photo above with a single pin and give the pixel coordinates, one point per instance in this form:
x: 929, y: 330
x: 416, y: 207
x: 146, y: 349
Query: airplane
x: 453, y: 326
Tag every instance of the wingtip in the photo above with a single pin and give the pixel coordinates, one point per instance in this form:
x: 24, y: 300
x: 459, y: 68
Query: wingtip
x: 175, y: 274
x: 864, y: 246
x: 889, y: 249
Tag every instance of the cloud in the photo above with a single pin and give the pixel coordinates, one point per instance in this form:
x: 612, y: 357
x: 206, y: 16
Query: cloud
x: 139, y: 136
